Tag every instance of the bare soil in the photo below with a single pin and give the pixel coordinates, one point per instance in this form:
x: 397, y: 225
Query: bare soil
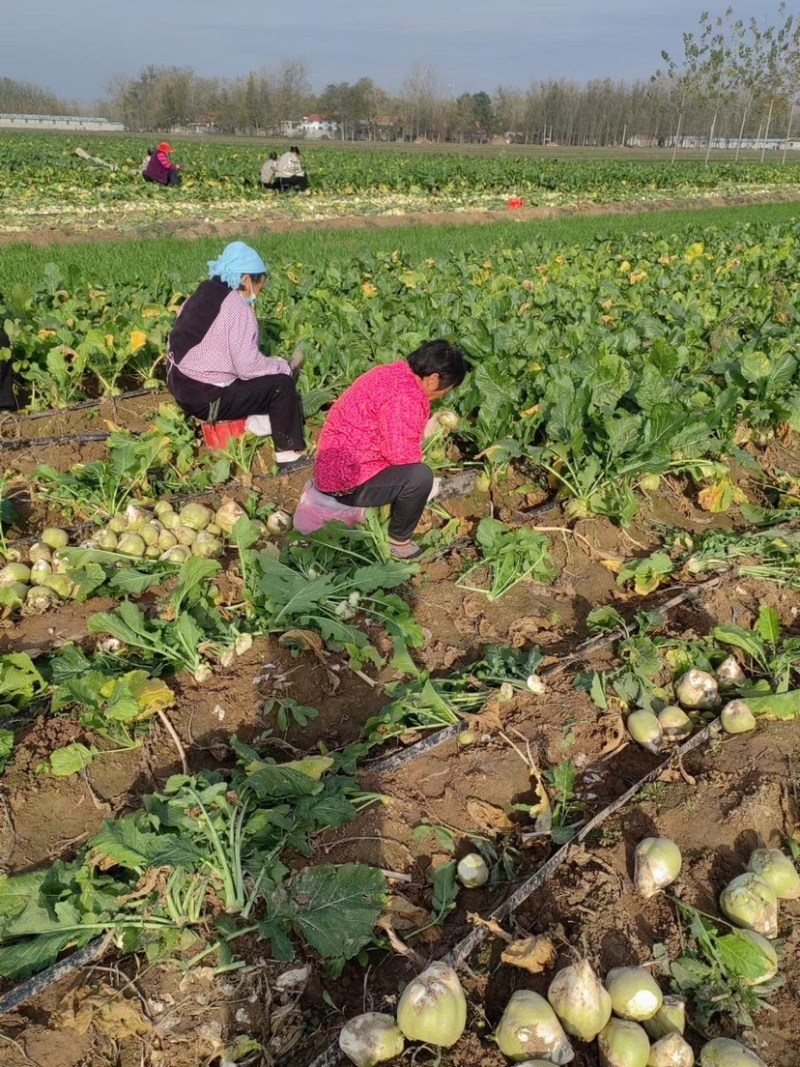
x: 126, y: 1012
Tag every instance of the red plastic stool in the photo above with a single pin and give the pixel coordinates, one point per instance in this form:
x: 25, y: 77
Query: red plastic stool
x: 216, y: 434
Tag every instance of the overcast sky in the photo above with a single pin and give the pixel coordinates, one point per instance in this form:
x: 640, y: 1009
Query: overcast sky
x: 74, y: 47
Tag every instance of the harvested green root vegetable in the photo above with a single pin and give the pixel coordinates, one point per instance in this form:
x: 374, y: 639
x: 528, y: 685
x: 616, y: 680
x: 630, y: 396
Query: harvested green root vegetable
x: 433, y: 1007
x: 777, y: 870
x: 697, y: 689
x: 448, y: 420
x: 669, y: 1019
x: 580, y: 1001
x: 39, y: 571
x: 635, y: 994
x: 371, y: 1039
x: 131, y: 544
x: 39, y: 599
x: 15, y: 572
x: 623, y: 1044
x: 54, y: 537
x: 737, y: 718
x: 657, y: 863
x: 279, y: 522
x: 675, y: 723
x: 195, y: 516
x: 228, y: 514
x: 750, y: 903
x: 645, y: 729
x: 472, y: 871
x: 529, y: 1027
x: 671, y: 1051
x: 722, y: 1052
x: 729, y: 674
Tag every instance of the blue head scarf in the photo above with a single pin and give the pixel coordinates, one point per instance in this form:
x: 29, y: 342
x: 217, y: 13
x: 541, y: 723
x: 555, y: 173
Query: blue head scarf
x: 237, y: 259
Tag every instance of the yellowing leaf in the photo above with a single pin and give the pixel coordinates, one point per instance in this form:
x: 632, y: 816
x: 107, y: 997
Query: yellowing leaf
x: 613, y: 565
x: 411, y: 279
x: 694, y: 251
x: 313, y: 766
x: 721, y: 495
x: 540, y: 812
x: 138, y: 340
x: 646, y: 583
x: 152, y: 695
x: 532, y: 954
x: 109, y: 339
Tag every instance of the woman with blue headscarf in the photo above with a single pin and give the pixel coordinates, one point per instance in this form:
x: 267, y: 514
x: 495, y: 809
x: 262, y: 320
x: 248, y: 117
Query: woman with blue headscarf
x: 216, y: 371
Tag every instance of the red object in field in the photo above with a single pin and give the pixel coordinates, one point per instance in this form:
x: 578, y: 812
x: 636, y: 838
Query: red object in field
x: 216, y: 434
x: 516, y: 201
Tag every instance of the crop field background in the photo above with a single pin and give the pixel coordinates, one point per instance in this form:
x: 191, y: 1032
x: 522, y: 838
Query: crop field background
x: 45, y: 186
x: 238, y: 766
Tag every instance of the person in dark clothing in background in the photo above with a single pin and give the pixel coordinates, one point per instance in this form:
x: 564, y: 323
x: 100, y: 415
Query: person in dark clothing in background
x: 8, y: 402
x: 160, y: 167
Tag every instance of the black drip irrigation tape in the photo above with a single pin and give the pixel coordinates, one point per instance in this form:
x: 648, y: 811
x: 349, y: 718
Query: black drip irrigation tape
x: 85, y: 404
x: 450, y: 733
x: 464, y: 949
x: 32, y: 442
x: 33, y: 986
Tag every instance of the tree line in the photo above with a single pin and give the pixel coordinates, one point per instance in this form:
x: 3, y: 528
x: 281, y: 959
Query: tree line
x: 736, y: 82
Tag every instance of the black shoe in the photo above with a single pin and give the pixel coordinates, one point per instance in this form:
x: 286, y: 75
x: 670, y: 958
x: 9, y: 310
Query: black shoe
x: 301, y: 464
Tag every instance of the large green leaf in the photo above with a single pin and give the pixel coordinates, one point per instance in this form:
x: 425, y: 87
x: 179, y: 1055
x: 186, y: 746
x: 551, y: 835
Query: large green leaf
x: 20, y: 681
x: 742, y: 957
x: 336, y: 908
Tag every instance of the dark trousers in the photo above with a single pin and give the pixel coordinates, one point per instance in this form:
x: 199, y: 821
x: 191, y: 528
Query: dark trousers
x: 297, y: 181
x: 173, y: 178
x: 406, y: 488
x: 7, y: 399
x: 274, y: 395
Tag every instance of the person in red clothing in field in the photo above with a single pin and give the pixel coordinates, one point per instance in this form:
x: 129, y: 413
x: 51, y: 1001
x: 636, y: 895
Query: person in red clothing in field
x: 160, y: 167
x: 370, y: 450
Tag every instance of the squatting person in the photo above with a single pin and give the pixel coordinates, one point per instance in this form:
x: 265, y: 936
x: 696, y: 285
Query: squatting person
x: 268, y: 171
x: 370, y: 449
x: 160, y: 167
x: 289, y: 171
x: 216, y: 371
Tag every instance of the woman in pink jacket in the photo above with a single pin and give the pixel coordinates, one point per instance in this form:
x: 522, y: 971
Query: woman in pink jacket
x: 370, y: 449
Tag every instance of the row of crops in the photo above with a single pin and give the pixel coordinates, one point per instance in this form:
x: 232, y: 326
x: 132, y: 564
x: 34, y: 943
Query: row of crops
x: 40, y: 170
x: 600, y: 364
x: 599, y: 375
